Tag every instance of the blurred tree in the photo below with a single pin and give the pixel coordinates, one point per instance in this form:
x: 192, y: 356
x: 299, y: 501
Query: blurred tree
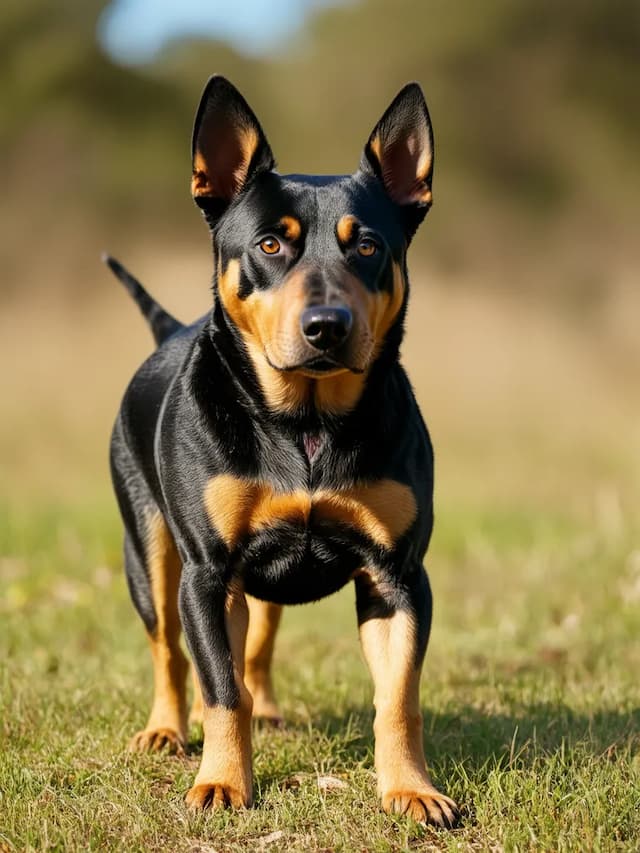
x: 533, y: 103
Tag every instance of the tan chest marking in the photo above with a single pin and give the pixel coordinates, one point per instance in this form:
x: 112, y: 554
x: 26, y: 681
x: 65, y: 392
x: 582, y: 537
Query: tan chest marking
x: 383, y: 510
x: 236, y: 507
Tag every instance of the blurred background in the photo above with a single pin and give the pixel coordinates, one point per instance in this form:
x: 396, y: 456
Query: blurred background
x: 523, y: 337
x: 522, y: 345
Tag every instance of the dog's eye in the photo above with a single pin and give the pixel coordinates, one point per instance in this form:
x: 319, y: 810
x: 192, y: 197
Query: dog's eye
x: 367, y: 247
x: 270, y: 246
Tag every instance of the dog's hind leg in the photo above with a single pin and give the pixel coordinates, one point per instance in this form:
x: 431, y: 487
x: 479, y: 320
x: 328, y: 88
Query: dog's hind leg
x: 197, y: 705
x: 155, y: 584
x: 264, y: 619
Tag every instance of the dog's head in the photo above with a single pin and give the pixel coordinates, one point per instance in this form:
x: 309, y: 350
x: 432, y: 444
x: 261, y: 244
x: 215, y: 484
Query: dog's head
x: 310, y: 270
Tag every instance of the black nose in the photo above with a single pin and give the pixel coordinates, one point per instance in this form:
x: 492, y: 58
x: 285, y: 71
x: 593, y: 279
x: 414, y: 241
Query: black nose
x: 326, y: 328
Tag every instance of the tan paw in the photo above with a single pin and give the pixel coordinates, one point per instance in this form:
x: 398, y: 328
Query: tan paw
x: 211, y: 795
x: 153, y: 740
x: 265, y: 706
x: 426, y: 806
x: 270, y: 719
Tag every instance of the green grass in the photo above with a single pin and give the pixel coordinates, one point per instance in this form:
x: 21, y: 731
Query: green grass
x: 531, y: 697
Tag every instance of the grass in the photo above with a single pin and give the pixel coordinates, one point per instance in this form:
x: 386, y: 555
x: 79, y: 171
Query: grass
x: 530, y: 693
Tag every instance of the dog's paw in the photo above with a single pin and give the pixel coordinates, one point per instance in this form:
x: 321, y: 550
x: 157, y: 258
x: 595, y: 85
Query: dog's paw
x: 426, y: 806
x: 265, y: 706
x: 269, y: 720
x: 212, y: 795
x: 154, y: 740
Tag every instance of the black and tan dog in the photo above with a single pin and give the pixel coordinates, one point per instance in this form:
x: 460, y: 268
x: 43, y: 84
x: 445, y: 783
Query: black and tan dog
x: 274, y: 451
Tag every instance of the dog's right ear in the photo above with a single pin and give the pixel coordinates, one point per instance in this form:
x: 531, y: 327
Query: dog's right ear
x: 399, y: 153
x: 228, y: 147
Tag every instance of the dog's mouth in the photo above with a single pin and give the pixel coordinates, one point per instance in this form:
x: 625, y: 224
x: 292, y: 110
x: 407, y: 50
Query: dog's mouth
x: 317, y: 366
x: 320, y: 365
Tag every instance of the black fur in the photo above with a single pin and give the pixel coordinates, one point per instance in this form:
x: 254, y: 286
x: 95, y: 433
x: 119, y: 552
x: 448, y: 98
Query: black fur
x: 162, y: 324
x: 195, y: 409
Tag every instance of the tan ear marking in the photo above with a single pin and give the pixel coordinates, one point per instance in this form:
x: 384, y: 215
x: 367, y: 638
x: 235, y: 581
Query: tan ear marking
x: 424, y: 166
x: 200, y: 183
x: 401, y: 149
x: 221, y: 166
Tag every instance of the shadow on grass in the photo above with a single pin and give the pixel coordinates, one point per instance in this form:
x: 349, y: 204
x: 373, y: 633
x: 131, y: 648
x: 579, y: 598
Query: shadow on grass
x: 480, y: 741
x: 476, y: 737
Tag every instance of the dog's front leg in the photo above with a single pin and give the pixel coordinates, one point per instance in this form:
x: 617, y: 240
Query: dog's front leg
x: 394, y: 621
x: 215, y: 617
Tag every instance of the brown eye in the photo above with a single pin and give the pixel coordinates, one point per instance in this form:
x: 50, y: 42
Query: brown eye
x: 270, y: 246
x: 366, y: 248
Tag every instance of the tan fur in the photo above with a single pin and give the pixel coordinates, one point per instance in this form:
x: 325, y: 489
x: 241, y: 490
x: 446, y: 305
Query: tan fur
x: 404, y: 784
x: 200, y: 183
x: 423, y: 157
x: 236, y: 150
x: 167, y: 722
x: 264, y: 619
x: 338, y: 394
x: 271, y: 505
x: 269, y: 322
x: 228, y: 502
x: 267, y: 319
x: 381, y: 308
x: 291, y: 227
x: 383, y: 510
x: 376, y: 148
x: 225, y: 774
x: 393, y: 303
x: 345, y: 228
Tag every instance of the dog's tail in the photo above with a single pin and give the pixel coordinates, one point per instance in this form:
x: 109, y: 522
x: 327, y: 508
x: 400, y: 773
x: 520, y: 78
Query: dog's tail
x: 162, y: 324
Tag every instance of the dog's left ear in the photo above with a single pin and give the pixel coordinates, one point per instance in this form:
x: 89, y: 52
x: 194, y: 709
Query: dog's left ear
x: 228, y: 147
x: 400, y: 153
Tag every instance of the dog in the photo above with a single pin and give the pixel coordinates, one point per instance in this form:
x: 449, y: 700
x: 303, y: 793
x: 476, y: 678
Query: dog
x: 273, y: 451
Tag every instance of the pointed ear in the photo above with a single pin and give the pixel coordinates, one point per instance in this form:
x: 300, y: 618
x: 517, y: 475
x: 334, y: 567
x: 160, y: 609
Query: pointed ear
x: 400, y: 151
x: 228, y: 146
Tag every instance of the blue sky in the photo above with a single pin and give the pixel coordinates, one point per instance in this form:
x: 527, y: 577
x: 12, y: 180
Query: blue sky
x: 134, y: 30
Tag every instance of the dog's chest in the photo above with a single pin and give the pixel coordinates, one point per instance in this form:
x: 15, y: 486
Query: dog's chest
x: 304, y: 543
